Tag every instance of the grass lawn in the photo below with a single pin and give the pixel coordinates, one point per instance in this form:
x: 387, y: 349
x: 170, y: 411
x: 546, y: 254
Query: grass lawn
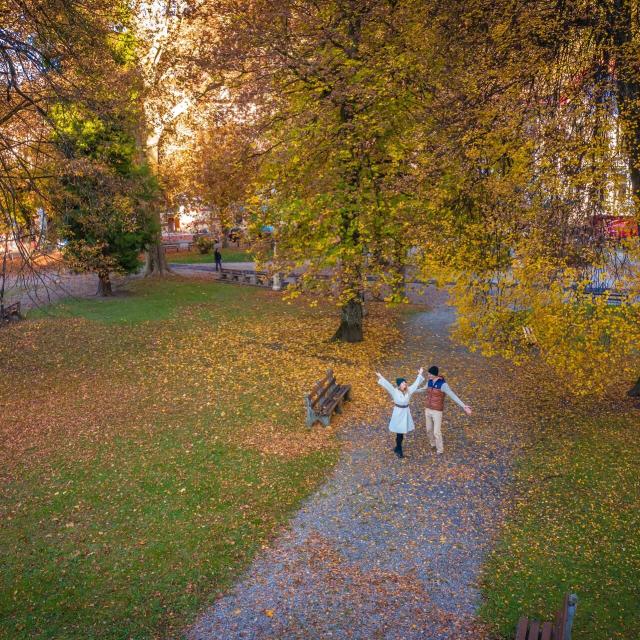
x: 195, y: 257
x: 153, y: 443
x: 575, y: 528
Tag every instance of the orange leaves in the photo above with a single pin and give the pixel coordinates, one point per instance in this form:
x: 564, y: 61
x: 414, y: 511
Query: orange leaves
x: 240, y: 366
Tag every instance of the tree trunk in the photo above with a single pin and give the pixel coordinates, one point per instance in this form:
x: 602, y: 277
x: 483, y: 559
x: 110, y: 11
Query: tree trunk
x: 104, y: 284
x: 634, y: 392
x: 621, y: 28
x: 156, y: 259
x: 350, y: 329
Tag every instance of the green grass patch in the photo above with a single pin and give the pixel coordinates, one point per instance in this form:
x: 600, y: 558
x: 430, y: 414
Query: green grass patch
x: 194, y: 257
x: 125, y: 545
x: 575, y: 528
x: 165, y: 299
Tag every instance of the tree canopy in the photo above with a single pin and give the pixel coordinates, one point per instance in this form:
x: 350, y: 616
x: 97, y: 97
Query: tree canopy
x: 487, y: 145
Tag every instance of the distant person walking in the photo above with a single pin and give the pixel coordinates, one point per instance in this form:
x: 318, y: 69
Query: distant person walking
x: 217, y: 256
x: 436, y: 390
x: 401, y: 420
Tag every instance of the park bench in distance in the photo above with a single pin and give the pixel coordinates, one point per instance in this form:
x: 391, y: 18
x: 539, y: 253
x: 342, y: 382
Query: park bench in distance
x: 326, y: 397
x: 558, y: 630
x: 10, y: 312
x: 615, y: 297
x: 248, y: 276
x: 235, y: 275
x: 176, y: 247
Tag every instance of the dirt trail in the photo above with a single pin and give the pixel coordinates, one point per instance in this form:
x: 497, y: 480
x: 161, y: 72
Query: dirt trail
x: 388, y: 548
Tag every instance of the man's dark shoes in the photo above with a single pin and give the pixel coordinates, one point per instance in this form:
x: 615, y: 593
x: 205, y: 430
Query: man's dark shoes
x: 398, y: 452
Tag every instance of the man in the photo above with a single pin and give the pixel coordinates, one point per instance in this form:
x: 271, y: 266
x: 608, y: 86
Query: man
x: 217, y: 256
x: 436, y: 390
x: 401, y: 420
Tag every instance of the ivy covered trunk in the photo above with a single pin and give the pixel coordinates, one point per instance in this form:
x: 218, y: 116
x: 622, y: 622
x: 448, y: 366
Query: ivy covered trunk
x: 104, y: 284
x: 350, y: 329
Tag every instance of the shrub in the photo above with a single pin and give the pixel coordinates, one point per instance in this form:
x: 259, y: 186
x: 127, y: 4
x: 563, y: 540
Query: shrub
x: 204, y: 244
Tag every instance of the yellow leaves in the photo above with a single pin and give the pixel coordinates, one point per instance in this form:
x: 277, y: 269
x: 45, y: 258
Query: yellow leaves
x: 269, y: 613
x: 586, y: 343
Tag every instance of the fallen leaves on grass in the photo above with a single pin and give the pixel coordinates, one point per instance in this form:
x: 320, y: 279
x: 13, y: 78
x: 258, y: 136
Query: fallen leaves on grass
x: 266, y: 438
x: 77, y: 382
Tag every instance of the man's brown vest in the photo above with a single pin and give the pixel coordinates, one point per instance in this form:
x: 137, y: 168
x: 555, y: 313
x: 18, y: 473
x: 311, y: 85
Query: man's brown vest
x: 435, y: 397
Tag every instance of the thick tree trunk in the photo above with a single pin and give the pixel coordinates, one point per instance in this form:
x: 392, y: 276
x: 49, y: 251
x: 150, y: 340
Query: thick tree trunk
x: 621, y: 28
x: 350, y: 329
x: 156, y: 260
x: 634, y: 392
x: 104, y: 284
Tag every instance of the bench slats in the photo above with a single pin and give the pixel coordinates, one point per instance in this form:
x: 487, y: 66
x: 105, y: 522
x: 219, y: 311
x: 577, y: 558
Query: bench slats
x: 320, y: 387
x: 521, y: 632
x: 334, y: 400
x: 559, y: 625
x: 560, y: 629
x: 326, y: 396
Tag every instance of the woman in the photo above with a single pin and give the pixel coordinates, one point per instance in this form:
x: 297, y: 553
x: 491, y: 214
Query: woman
x: 401, y: 420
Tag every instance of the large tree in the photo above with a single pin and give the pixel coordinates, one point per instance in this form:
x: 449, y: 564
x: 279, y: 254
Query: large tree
x: 486, y: 140
x: 179, y: 86
x: 106, y: 197
x: 56, y: 52
x: 537, y: 147
x: 331, y: 92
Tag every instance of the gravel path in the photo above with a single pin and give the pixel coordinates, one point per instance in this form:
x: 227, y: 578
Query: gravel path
x: 389, y: 548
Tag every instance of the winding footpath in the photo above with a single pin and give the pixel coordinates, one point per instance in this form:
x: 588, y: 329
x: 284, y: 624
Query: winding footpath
x: 392, y: 549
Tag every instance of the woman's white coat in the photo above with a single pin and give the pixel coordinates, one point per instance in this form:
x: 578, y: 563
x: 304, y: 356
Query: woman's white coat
x: 401, y: 420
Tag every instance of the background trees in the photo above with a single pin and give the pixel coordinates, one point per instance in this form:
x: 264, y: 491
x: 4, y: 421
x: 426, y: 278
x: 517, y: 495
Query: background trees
x: 486, y: 140
x: 105, y: 197
x: 64, y: 62
x: 542, y: 155
x: 480, y: 143
x: 179, y: 88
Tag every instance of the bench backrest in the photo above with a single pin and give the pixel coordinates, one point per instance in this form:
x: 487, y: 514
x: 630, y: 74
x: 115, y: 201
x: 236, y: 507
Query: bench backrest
x: 560, y: 629
x: 10, y: 310
x: 322, y: 388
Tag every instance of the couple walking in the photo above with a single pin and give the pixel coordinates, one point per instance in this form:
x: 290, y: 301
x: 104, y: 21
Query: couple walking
x: 401, y: 420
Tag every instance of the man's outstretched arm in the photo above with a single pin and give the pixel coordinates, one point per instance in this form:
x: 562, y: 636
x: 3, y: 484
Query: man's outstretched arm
x: 449, y: 391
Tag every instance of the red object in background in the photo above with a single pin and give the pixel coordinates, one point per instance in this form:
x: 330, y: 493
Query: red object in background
x: 617, y: 227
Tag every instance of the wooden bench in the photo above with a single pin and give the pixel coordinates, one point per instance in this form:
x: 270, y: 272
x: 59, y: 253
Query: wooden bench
x: 235, y: 275
x: 560, y: 629
x: 176, y: 247
x: 10, y: 312
x: 249, y: 276
x: 326, y: 397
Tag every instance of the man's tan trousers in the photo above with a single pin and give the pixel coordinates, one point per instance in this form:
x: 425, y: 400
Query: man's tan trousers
x: 433, y: 419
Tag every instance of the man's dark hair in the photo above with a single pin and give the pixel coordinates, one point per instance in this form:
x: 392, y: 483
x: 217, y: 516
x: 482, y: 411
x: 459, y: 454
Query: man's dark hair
x: 433, y: 370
